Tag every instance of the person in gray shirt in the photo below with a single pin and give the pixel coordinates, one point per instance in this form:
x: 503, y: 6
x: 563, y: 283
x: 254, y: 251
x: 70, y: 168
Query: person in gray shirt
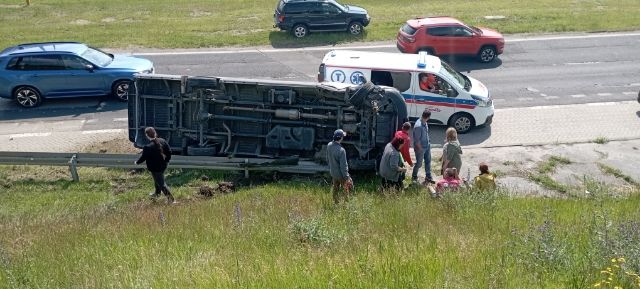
x: 338, y: 167
x: 422, y: 147
x: 392, y: 166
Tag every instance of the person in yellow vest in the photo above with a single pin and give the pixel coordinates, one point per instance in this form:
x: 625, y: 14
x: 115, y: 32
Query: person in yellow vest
x: 486, y: 181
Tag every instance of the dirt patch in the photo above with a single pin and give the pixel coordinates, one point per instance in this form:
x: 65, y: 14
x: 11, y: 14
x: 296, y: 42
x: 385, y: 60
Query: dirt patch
x: 108, y: 20
x: 221, y: 188
x: 80, y: 22
x: 114, y: 146
x: 199, y: 13
x: 12, y: 6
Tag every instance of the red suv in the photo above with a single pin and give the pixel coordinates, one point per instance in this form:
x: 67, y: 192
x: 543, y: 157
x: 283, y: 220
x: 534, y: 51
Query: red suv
x: 449, y: 36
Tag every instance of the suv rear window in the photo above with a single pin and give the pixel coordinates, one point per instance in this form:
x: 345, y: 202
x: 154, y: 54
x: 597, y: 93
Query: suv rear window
x: 297, y: 7
x: 280, y: 6
x: 406, y: 28
x: 39, y: 62
x: 440, y: 31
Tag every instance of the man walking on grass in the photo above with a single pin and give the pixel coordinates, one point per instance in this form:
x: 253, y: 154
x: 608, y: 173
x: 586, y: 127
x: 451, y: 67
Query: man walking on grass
x: 422, y: 148
x: 338, y: 167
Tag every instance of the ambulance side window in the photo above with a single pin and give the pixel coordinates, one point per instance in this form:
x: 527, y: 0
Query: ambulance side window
x: 399, y: 80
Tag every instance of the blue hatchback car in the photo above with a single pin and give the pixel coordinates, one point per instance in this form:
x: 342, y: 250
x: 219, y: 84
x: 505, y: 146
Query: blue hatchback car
x: 32, y: 72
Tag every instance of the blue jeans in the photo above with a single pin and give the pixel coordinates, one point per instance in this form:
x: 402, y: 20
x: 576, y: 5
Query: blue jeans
x: 424, y: 155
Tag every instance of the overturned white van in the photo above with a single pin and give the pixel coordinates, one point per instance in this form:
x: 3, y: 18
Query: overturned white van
x: 425, y: 82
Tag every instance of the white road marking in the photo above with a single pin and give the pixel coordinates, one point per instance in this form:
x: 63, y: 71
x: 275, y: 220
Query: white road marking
x: 605, y: 94
x: 274, y: 50
x: 551, y: 97
x: 580, y: 63
x: 532, y: 89
x: 499, y: 99
x: 525, y: 98
x: 578, y: 95
x: 32, y: 134
x: 103, y: 131
x: 601, y: 103
x: 629, y: 93
x: 626, y: 102
x: 122, y: 119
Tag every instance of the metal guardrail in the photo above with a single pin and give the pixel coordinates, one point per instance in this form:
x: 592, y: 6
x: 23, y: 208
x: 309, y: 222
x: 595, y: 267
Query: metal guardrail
x: 125, y: 161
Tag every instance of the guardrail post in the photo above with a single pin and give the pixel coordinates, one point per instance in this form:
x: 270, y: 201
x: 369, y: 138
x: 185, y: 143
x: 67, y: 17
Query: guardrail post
x: 246, y: 169
x: 73, y: 168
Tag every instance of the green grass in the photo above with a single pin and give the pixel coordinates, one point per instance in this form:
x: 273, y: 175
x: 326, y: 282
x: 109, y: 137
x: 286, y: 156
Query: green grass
x: 200, y: 23
x: 548, y: 182
x: 552, y: 163
x: 103, y: 233
x: 617, y: 173
x: 601, y: 140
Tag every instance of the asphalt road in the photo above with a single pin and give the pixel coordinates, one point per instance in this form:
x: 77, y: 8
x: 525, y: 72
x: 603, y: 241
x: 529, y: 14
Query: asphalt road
x: 533, y: 71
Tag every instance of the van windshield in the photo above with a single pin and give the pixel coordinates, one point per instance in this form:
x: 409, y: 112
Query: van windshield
x: 458, y: 77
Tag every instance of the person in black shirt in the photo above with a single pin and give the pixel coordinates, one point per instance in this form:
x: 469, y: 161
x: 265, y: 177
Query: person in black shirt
x: 157, y: 154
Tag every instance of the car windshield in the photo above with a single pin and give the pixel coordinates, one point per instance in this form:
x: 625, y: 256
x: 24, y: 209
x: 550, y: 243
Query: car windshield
x: 97, y: 56
x: 458, y: 77
x: 476, y: 29
x: 343, y: 7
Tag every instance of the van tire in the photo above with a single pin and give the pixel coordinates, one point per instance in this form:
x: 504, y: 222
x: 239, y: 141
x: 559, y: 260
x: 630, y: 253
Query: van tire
x: 462, y: 122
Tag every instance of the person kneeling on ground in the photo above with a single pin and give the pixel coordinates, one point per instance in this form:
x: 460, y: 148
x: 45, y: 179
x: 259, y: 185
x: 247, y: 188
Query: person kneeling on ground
x: 486, y: 180
x: 450, y: 182
x: 392, y: 168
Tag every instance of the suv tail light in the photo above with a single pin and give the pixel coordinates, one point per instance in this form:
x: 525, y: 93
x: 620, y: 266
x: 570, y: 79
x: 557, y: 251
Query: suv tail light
x: 281, y: 18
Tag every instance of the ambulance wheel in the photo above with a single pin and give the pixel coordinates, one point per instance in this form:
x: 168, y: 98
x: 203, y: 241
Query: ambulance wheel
x: 462, y: 122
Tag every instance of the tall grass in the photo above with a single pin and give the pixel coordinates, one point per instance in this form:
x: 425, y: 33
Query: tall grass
x: 92, y: 234
x: 200, y: 23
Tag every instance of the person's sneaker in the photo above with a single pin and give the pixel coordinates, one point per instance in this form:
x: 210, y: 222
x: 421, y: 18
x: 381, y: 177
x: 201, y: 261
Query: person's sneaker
x: 171, y: 200
x: 154, y: 196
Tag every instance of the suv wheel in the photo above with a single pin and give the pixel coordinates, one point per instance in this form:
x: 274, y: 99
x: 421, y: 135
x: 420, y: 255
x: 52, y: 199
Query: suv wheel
x: 487, y: 54
x: 120, y: 90
x: 355, y: 28
x: 299, y: 30
x: 27, y: 96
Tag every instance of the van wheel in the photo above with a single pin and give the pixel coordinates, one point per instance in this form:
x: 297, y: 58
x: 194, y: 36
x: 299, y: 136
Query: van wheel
x: 299, y: 31
x: 355, y: 28
x: 462, y: 122
x: 27, y: 96
x: 487, y: 54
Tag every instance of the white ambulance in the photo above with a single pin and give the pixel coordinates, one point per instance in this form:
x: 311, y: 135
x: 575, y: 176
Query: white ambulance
x: 425, y: 82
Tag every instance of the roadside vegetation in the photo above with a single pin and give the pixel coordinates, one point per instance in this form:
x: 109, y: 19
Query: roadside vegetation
x: 186, y: 24
x: 102, y: 232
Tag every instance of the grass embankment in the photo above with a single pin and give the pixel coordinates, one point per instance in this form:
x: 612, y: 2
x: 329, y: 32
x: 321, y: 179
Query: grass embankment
x: 103, y: 233
x: 200, y: 23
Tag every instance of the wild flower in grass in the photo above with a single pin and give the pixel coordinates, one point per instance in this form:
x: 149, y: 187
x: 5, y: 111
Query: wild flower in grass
x: 616, y: 276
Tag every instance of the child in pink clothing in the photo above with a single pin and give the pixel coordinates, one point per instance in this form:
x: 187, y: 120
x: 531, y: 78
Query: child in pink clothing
x: 449, y: 183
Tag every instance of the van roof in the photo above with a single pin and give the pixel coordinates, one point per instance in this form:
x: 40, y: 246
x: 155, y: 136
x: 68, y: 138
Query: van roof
x: 382, y: 60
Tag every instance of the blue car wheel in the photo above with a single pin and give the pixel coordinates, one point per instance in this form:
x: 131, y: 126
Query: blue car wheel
x: 27, y: 97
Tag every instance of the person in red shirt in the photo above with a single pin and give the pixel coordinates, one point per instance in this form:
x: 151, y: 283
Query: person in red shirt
x: 404, y: 150
x: 428, y: 82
